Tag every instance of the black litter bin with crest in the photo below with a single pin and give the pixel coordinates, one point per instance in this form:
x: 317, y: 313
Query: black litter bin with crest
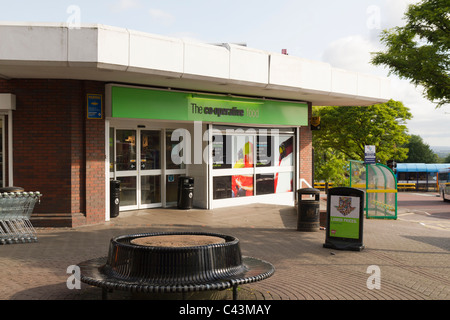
x: 185, y: 193
x: 114, y: 198
x: 308, y: 209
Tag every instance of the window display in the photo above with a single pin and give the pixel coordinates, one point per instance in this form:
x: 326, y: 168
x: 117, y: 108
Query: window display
x: 261, y: 162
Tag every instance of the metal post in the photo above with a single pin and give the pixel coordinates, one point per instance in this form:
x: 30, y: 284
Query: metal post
x: 235, y: 286
x: 104, y: 294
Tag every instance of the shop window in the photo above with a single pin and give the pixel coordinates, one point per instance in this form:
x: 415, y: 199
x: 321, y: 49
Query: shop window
x: 150, y: 150
x: 222, y: 187
x: 232, y: 186
x: 220, y: 145
x: 150, y: 189
x: 125, y: 150
x: 242, y: 185
x: 264, y: 151
x: 285, y: 150
x: 265, y: 184
x: 242, y: 155
x: 284, y: 182
x: 127, y: 191
x: 255, y: 162
x: 173, y: 152
x: 274, y: 183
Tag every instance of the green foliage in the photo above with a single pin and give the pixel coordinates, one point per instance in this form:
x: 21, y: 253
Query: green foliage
x: 447, y: 159
x: 419, y: 51
x: 420, y: 152
x: 345, y: 131
x: 330, y: 166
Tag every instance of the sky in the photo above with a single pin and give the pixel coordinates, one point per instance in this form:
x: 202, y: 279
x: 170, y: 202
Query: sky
x: 342, y: 33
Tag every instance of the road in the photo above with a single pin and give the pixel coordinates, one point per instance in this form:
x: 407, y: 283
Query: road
x: 428, y: 209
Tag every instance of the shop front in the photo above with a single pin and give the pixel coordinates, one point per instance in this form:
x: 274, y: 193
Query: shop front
x: 238, y: 150
x: 80, y: 107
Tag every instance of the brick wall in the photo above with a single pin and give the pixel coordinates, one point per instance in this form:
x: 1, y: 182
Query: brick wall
x: 305, y: 145
x: 57, y: 151
x: 95, y: 161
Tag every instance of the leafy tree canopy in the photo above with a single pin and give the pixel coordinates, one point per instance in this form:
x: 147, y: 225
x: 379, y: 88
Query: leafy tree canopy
x: 345, y: 131
x: 419, y: 151
x: 420, y: 50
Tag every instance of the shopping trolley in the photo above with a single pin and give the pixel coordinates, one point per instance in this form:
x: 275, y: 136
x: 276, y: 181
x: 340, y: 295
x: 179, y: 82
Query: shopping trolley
x: 15, y: 212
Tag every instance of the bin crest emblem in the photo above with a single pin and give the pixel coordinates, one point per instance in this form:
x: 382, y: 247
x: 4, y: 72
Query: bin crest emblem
x: 345, y: 206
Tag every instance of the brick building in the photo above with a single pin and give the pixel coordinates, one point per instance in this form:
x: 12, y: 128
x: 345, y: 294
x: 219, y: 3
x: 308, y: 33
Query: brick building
x: 81, y: 107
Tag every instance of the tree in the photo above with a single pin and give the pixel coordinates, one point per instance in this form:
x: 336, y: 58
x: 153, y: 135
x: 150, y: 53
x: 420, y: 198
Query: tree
x: 329, y: 165
x: 419, y: 151
x: 347, y: 130
x: 419, y: 51
x: 447, y: 159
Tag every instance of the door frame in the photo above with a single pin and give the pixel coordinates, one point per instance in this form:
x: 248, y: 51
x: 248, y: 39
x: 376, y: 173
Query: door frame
x: 163, y: 172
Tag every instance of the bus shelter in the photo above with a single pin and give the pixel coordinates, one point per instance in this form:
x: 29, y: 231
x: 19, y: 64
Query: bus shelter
x: 380, y: 186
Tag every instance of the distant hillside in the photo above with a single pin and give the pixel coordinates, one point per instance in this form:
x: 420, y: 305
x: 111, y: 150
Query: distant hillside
x: 441, y: 151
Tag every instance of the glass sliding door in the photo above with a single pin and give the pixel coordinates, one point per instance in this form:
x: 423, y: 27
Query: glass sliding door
x: 150, y: 168
x: 126, y: 170
x: 142, y: 161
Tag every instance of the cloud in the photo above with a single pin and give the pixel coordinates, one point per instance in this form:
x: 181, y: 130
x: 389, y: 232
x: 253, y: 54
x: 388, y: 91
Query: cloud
x: 122, y: 5
x: 352, y: 53
x: 428, y: 122
x: 162, y: 16
x: 393, y: 12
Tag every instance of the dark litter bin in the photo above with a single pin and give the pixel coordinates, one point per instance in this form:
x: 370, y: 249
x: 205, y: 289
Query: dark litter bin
x: 114, y: 198
x: 308, y: 209
x: 185, y: 193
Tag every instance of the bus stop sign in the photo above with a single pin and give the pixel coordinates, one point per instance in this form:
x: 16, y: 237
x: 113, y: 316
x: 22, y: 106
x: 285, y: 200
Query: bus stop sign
x: 345, y: 217
x: 369, y: 154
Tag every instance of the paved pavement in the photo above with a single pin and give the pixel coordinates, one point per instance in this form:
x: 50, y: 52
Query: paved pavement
x: 411, y: 254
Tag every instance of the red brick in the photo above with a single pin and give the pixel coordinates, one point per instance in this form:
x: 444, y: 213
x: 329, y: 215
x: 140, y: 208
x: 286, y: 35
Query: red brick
x: 52, y: 142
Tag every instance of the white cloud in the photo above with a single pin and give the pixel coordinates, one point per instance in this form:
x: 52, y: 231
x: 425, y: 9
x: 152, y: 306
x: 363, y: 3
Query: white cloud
x: 126, y: 5
x: 393, y: 12
x: 428, y: 122
x: 352, y: 53
x: 162, y: 16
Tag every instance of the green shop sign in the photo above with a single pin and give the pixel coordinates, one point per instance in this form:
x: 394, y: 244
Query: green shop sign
x: 139, y: 103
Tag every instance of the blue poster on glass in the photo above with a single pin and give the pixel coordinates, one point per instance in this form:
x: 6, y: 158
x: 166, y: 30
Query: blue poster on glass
x: 94, y: 106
